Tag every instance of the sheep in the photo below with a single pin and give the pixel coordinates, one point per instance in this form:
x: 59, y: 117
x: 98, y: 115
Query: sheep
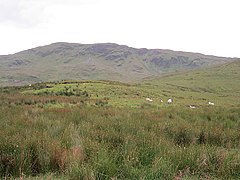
x: 210, y: 103
x: 149, y: 99
x: 169, y: 101
x: 161, y: 100
x: 192, y: 107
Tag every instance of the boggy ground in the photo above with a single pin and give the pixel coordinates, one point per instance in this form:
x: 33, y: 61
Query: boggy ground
x: 87, y: 142
x: 107, y: 130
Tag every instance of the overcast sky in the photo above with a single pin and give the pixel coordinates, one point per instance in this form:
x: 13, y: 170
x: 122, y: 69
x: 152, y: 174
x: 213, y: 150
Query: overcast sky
x: 205, y: 26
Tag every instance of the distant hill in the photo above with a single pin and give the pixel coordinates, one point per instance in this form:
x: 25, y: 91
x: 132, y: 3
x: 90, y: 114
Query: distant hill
x: 104, y: 61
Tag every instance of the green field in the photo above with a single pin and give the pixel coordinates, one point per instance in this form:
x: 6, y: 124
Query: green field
x: 107, y: 130
x: 220, y: 85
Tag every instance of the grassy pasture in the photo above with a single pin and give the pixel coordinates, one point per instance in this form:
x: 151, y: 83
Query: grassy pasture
x: 107, y: 130
x: 219, y: 85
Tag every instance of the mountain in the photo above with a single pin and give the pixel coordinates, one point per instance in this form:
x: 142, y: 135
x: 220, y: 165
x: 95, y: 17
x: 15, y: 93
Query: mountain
x: 105, y: 61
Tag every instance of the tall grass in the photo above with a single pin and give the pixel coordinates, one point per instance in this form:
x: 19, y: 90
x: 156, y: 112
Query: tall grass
x: 102, y: 143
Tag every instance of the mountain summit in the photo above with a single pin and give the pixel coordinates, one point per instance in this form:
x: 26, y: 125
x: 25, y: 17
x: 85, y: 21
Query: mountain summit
x: 104, y: 61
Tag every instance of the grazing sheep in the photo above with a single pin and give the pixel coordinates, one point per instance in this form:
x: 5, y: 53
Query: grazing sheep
x: 30, y: 85
x: 169, y: 101
x: 149, y: 99
x: 161, y: 100
x: 210, y: 103
x: 192, y: 107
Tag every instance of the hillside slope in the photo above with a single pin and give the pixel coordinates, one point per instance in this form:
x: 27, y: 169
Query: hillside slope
x: 96, y: 62
x: 216, y: 84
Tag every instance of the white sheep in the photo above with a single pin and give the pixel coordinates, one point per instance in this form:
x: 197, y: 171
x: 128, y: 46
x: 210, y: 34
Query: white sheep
x: 192, y: 107
x: 149, y: 99
x: 169, y: 101
x: 210, y: 103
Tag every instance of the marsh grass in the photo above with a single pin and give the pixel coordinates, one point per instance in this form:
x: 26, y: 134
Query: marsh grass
x: 106, y: 130
x: 106, y: 142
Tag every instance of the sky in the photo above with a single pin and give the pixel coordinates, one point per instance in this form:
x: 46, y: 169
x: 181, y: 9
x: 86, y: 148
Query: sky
x: 206, y: 26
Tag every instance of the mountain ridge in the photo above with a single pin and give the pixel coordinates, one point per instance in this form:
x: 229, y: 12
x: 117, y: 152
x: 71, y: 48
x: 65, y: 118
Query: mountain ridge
x: 101, y: 61
x: 109, y: 43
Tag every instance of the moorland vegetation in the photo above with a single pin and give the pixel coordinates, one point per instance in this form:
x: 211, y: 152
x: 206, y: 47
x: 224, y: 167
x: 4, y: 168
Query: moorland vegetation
x: 107, y: 130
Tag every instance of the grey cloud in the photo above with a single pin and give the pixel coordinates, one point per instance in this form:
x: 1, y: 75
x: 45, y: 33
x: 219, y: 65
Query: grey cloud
x: 29, y: 13
x: 22, y: 13
x: 9, y: 10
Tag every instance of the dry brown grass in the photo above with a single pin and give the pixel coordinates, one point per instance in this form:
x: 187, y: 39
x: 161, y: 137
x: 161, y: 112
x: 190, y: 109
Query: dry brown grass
x: 63, y: 157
